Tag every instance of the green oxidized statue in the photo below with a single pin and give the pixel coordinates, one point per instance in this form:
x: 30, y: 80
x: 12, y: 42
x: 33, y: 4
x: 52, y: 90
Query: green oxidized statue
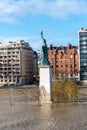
x: 44, y: 52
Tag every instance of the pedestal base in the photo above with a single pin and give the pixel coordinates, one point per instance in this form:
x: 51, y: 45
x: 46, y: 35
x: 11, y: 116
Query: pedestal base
x: 45, y: 84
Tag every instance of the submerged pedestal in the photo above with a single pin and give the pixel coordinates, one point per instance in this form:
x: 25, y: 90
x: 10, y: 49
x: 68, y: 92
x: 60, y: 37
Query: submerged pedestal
x: 45, y: 84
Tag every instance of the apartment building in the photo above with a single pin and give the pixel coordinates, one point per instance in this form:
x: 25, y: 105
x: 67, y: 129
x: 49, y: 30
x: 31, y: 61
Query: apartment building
x: 64, y: 61
x: 35, y: 58
x: 39, y: 57
x: 82, y: 39
x: 16, y: 63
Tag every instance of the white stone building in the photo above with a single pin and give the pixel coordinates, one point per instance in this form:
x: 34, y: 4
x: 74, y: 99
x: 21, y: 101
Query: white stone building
x: 16, y: 63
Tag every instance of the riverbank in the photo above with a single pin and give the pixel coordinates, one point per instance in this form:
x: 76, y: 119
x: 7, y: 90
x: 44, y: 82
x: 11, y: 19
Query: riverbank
x: 31, y: 94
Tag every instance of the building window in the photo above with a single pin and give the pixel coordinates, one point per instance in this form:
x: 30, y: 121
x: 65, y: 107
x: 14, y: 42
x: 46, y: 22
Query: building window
x: 66, y: 66
x: 66, y: 70
x: 17, y: 52
x: 52, y: 66
x: 70, y: 66
x: 71, y: 75
x: 52, y: 53
x: 57, y: 66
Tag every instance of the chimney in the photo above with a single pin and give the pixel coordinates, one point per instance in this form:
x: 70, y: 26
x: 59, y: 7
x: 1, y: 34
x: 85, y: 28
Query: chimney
x: 69, y: 46
x: 51, y: 47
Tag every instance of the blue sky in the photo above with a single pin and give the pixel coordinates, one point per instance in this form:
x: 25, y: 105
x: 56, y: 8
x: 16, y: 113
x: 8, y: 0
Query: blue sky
x: 60, y: 21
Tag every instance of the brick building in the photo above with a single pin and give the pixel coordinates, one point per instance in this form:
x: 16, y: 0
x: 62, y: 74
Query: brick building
x: 64, y: 61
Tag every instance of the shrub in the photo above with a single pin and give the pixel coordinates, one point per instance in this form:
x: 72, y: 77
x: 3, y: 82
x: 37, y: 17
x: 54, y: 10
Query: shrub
x: 63, y: 91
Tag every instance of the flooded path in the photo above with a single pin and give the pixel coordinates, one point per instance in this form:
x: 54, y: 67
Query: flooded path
x: 23, y: 115
x: 47, y: 117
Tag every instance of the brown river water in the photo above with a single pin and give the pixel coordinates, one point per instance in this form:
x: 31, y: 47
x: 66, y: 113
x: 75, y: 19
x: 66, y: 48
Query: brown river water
x: 24, y: 115
x: 46, y: 117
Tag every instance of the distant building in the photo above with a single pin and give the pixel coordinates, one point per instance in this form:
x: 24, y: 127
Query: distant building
x: 39, y: 57
x: 16, y: 63
x: 65, y: 61
x: 82, y: 38
x: 35, y: 58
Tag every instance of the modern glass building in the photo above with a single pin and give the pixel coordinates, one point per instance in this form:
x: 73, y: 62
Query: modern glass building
x: 82, y: 37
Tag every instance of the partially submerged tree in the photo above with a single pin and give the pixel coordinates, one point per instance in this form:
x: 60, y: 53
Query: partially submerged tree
x: 58, y: 94
x: 64, y: 90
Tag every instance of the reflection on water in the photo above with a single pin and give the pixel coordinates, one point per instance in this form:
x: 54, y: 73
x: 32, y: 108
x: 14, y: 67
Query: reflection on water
x: 25, y: 116
x: 45, y: 117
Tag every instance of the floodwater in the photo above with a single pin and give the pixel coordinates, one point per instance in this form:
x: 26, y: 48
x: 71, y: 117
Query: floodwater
x: 25, y: 116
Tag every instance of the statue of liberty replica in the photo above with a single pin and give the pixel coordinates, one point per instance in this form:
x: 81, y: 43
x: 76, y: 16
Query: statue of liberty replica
x: 45, y: 83
x: 44, y: 52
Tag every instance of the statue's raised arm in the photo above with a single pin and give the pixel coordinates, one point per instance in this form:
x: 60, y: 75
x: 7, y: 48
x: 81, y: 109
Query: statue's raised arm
x: 44, y: 40
x: 42, y: 34
x: 44, y: 52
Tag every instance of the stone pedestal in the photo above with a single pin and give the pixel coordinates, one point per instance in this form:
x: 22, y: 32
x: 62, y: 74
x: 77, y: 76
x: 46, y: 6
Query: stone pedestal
x: 45, y: 84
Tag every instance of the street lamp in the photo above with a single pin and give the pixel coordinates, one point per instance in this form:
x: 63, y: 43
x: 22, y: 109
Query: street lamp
x: 28, y: 92
x: 12, y: 85
x: 12, y: 95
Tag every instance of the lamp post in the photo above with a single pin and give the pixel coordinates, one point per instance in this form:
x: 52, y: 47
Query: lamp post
x: 28, y: 92
x: 12, y: 86
x: 12, y: 95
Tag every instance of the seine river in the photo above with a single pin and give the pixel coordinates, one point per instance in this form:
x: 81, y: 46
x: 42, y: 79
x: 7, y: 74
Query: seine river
x: 25, y: 116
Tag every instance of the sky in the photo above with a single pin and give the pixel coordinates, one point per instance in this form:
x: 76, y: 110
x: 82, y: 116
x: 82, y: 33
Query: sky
x: 60, y: 21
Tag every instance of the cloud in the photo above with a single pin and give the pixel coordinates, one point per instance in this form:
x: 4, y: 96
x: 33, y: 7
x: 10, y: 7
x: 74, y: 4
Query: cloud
x: 12, y: 10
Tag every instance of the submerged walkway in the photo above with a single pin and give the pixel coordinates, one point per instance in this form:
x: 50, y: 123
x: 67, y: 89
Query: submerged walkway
x: 23, y: 115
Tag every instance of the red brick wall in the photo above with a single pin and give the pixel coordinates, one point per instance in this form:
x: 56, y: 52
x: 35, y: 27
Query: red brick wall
x: 66, y: 62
